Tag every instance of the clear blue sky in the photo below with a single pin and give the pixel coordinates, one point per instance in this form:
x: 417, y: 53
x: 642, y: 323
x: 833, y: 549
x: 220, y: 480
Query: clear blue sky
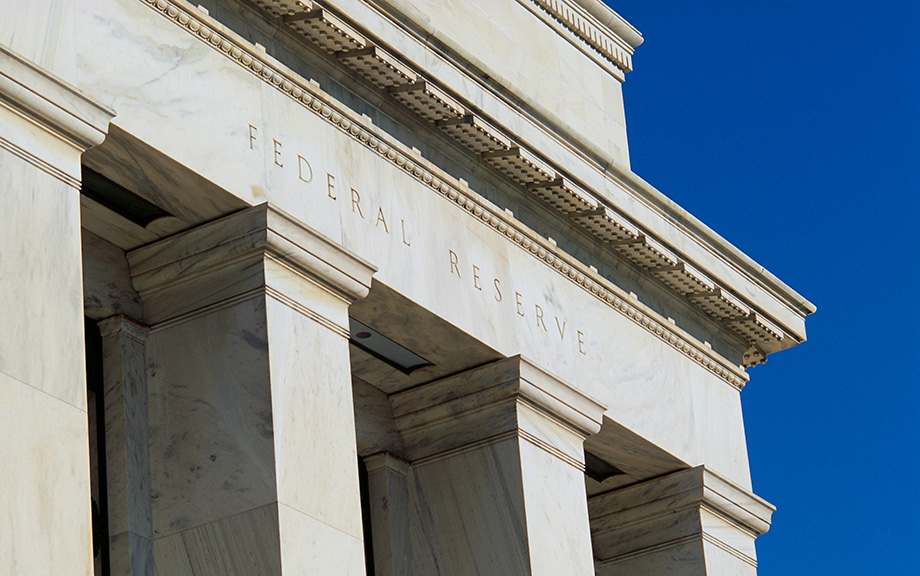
x: 792, y: 128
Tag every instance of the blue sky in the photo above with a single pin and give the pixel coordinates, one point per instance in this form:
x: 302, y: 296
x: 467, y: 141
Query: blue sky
x: 792, y: 128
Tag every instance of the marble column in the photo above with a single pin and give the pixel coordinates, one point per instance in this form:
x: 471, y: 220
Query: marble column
x: 389, y: 514
x: 253, y: 454
x: 126, y: 446
x: 45, y: 507
x: 689, y: 522
x: 496, y: 485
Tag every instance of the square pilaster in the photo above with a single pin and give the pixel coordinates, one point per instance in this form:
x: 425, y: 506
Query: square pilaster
x: 253, y: 451
x: 496, y: 484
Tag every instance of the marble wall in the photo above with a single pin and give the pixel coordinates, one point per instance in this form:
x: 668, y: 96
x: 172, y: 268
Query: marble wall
x: 45, y: 125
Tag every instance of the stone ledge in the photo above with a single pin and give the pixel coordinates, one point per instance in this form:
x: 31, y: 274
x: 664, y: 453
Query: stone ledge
x: 51, y: 102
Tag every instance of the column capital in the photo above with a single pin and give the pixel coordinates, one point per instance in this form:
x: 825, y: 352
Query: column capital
x: 121, y: 324
x: 51, y: 102
x: 385, y: 460
x: 259, y: 248
x: 45, y: 121
x: 695, y: 505
x: 492, y: 400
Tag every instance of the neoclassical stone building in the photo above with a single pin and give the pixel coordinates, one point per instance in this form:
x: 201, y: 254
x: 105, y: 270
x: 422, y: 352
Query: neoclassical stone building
x: 347, y: 287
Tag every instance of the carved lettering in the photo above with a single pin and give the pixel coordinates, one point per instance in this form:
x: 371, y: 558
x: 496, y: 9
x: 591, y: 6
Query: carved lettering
x: 380, y: 219
x: 476, y: 278
x: 581, y: 343
x: 539, y: 313
x: 356, y: 202
x: 301, y: 162
x: 252, y: 135
x: 330, y: 185
x: 278, y: 161
x: 561, y: 328
x: 498, y: 292
x: 405, y: 241
x: 455, y: 263
x: 520, y: 305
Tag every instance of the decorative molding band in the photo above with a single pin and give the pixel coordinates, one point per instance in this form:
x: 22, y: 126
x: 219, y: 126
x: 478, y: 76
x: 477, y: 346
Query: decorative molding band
x: 586, y: 27
x: 34, y: 160
x: 729, y: 549
x: 552, y: 450
x: 305, y: 311
x: 650, y: 550
x: 349, y: 123
x: 206, y: 309
x: 51, y: 102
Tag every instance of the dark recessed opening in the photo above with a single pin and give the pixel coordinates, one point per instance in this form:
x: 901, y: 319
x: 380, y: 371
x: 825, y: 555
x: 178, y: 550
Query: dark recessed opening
x: 599, y: 469
x: 128, y: 204
x: 381, y: 347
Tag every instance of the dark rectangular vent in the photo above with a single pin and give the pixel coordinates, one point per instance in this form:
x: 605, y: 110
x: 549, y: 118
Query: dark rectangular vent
x: 128, y: 204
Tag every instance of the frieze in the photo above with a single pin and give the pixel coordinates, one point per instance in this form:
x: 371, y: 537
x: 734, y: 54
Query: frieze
x: 313, y: 99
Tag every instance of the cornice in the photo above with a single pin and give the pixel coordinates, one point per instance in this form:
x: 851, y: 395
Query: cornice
x: 495, y: 146
x: 616, y: 23
x: 615, y: 40
x: 51, y: 102
x: 338, y: 115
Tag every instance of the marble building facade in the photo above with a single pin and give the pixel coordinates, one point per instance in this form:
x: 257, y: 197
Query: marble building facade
x: 359, y: 287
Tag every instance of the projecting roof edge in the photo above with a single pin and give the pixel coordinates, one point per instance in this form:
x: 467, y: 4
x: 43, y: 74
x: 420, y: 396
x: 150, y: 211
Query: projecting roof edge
x: 312, y: 98
x: 616, y: 23
x: 669, y: 245
x: 710, y: 238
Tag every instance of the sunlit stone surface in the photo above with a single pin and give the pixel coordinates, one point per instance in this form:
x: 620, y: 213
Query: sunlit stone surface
x: 200, y: 202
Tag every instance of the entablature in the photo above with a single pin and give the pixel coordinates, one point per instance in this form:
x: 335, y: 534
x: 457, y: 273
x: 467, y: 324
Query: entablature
x: 694, y: 263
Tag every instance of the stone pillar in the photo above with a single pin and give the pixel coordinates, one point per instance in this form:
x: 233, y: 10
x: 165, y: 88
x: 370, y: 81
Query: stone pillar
x: 126, y: 447
x: 497, y: 481
x: 45, y: 507
x: 690, y: 522
x: 389, y: 511
x: 253, y: 454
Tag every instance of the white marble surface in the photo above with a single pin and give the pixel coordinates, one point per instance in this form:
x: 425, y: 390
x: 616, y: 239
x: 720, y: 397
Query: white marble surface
x: 42, y: 32
x: 619, y: 358
x: 497, y: 483
x: 689, y: 521
x: 45, y: 504
x: 45, y: 354
x: 623, y: 189
x: 44, y: 495
x: 316, y: 462
x: 251, y: 402
x: 309, y: 546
